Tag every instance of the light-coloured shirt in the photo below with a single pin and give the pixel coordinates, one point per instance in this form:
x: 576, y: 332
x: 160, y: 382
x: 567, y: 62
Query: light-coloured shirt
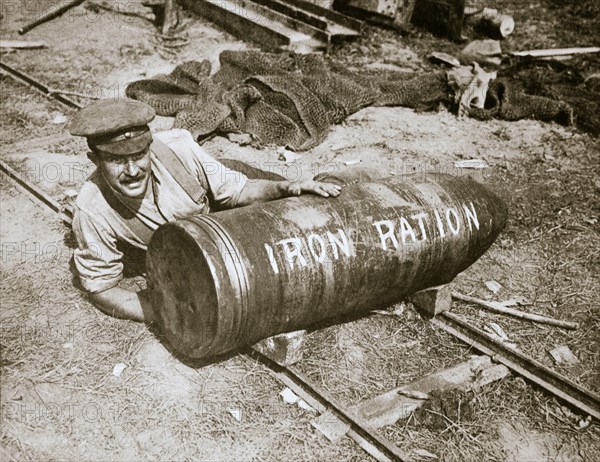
x: 98, y: 227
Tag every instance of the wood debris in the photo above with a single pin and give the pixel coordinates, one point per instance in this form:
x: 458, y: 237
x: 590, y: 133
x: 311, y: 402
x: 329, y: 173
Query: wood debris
x: 389, y: 407
x: 500, y: 308
x: 21, y: 44
x: 438, y: 57
x: 491, y: 22
x: 552, y: 53
x: 563, y: 355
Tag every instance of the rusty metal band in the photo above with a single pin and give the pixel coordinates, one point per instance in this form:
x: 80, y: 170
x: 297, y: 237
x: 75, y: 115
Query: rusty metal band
x: 243, y: 285
x: 30, y: 81
x: 560, y: 386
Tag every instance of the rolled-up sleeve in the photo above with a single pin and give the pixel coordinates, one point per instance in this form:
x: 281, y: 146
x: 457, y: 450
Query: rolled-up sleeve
x: 97, y: 259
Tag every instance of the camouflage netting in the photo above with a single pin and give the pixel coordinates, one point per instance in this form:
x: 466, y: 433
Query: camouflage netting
x: 293, y: 100
x: 546, y: 90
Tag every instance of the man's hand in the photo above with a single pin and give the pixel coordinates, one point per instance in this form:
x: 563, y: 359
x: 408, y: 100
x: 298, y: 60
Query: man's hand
x: 266, y: 190
x: 124, y: 304
x: 297, y: 188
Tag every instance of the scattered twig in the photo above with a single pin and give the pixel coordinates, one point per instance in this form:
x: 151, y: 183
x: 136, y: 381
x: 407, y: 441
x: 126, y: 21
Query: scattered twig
x: 175, y: 45
x: 499, y: 308
x: 410, y: 417
x: 453, y: 424
x: 556, y: 52
x: 21, y: 44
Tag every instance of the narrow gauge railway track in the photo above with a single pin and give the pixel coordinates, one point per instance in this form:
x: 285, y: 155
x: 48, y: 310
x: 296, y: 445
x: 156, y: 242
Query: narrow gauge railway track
x: 22, y: 77
x: 367, y: 438
x: 560, y: 386
x: 40, y: 195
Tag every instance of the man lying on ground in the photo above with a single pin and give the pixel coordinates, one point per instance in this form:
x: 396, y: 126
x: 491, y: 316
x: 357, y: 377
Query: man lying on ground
x: 142, y: 181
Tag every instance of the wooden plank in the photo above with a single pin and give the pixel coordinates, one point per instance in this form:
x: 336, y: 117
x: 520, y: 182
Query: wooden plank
x: 330, y: 426
x: 348, y: 415
x: 331, y: 15
x: 336, y: 30
x: 389, y: 407
x: 294, y: 12
x: 556, y: 52
x: 292, y: 23
x: 384, y: 7
x: 250, y: 26
x: 377, y: 19
x: 21, y: 44
x: 432, y: 301
x: 285, y: 349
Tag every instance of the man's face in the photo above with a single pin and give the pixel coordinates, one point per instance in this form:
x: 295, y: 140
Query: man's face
x: 128, y: 175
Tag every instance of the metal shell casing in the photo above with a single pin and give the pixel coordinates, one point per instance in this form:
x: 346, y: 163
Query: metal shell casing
x: 228, y: 279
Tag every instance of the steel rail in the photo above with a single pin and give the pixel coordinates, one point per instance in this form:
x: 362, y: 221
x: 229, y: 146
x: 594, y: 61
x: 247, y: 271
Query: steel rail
x: 557, y: 384
x: 30, y: 81
x: 367, y: 438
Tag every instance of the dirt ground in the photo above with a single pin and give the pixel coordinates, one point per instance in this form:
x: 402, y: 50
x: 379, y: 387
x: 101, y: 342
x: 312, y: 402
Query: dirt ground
x: 60, y: 396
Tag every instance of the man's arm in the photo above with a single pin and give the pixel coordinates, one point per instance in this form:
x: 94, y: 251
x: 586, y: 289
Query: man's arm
x: 266, y: 190
x: 98, y: 261
x: 124, y: 304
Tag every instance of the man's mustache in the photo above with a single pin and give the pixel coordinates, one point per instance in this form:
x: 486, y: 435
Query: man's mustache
x: 134, y: 179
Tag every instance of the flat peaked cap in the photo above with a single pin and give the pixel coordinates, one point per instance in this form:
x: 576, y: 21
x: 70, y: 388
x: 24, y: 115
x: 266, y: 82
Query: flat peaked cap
x: 110, y: 116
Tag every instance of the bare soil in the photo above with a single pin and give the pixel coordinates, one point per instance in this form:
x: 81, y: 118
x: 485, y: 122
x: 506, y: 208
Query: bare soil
x: 59, y: 396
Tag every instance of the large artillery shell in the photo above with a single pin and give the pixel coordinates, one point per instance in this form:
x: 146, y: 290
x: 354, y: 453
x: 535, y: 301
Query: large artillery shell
x: 231, y: 278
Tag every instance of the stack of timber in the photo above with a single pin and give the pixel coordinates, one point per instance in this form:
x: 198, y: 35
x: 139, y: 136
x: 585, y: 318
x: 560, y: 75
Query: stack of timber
x: 390, y: 14
x: 295, y: 25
